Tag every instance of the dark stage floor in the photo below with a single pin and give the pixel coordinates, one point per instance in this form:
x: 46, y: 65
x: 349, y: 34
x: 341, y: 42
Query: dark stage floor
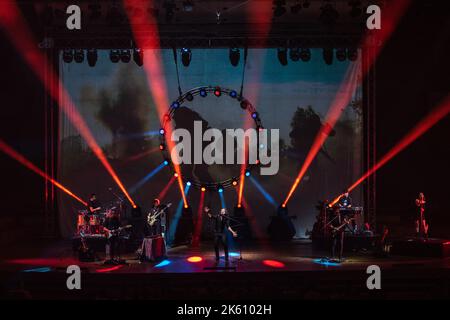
x: 267, y: 270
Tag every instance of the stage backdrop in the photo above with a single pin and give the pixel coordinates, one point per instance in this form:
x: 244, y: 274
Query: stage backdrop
x: 117, y: 105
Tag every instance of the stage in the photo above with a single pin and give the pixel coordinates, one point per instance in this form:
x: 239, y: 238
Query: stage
x: 267, y: 270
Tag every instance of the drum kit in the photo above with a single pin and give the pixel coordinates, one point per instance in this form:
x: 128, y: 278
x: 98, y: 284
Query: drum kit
x: 92, y: 223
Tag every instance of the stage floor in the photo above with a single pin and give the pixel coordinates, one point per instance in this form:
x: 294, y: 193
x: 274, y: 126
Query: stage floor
x: 266, y: 271
x: 297, y: 255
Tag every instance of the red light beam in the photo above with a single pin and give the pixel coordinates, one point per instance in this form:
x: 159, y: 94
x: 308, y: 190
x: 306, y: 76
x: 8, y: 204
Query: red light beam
x: 153, y: 68
x: 25, y: 162
x: 423, y: 126
x: 390, y: 18
x: 19, y: 34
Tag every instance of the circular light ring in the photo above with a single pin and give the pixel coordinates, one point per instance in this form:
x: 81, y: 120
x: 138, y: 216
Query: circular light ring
x: 189, y: 96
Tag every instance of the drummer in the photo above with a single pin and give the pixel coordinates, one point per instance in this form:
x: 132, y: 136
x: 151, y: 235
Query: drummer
x: 94, y: 205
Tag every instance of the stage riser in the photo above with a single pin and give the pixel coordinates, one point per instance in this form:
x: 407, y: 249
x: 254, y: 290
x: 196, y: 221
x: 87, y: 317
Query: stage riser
x: 419, y: 248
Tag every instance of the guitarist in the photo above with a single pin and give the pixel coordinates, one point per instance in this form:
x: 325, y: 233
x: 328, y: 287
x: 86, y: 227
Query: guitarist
x: 112, y: 224
x: 156, y: 228
x: 338, y: 225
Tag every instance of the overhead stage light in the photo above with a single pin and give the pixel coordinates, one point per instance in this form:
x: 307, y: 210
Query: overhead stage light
x: 233, y: 94
x: 328, y: 55
x: 352, y: 54
x: 186, y: 56
x: 203, y: 92
x: 234, y: 56
x: 114, y: 55
x: 341, y: 54
x: 305, y: 54
x: 189, y: 97
x: 282, y: 56
x: 294, y: 54
x: 92, y: 57
x: 138, y: 56
x: 247, y: 173
x: 244, y: 104
x: 203, y: 189
x: 162, y: 131
x: 219, y: 188
x: 175, y: 105
x: 328, y: 15
x: 255, y: 115
x: 79, y: 55
x: 125, y: 55
x: 217, y: 92
x: 67, y: 55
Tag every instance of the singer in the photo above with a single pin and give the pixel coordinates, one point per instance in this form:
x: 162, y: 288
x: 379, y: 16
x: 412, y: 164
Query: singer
x: 220, y: 225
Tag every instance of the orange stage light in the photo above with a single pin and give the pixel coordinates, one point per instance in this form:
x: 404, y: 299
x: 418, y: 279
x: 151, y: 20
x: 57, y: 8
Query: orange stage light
x: 14, y: 24
x: 21, y: 159
x: 390, y: 18
x: 153, y: 69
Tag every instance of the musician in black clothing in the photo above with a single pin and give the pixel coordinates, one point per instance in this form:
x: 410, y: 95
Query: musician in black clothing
x: 221, y: 225
x: 156, y: 228
x: 345, y: 201
x: 93, y: 204
x: 112, y: 224
x: 337, y: 234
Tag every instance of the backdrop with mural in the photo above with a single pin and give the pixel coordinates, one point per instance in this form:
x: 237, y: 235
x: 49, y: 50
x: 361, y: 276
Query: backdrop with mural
x: 116, y: 101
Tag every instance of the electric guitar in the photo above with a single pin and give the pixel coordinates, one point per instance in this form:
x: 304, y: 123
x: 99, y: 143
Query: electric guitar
x: 152, y: 217
x: 110, y: 233
x: 335, y: 230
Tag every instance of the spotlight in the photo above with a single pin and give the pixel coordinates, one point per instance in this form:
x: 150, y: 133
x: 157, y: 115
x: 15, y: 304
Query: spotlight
x: 188, y: 183
x: 203, y: 189
x: 328, y: 55
x: 166, y: 162
x: 217, y: 92
x: 244, y: 104
x: 92, y: 57
x: 352, y: 54
x: 279, y: 9
x: 203, y: 92
x: 233, y: 94
x: 234, y: 55
x: 329, y: 15
x: 162, y: 146
x: 138, y: 56
x: 114, y: 56
x: 78, y: 55
x: 175, y: 105
x: 162, y: 131
x: 247, y: 173
x: 219, y: 188
x: 189, y: 97
x: 294, y: 54
x: 282, y: 56
x: 175, y: 175
x: 305, y: 54
x: 255, y: 115
x: 341, y: 54
x: 186, y: 56
x: 68, y: 55
x: 234, y: 182
x: 125, y: 55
